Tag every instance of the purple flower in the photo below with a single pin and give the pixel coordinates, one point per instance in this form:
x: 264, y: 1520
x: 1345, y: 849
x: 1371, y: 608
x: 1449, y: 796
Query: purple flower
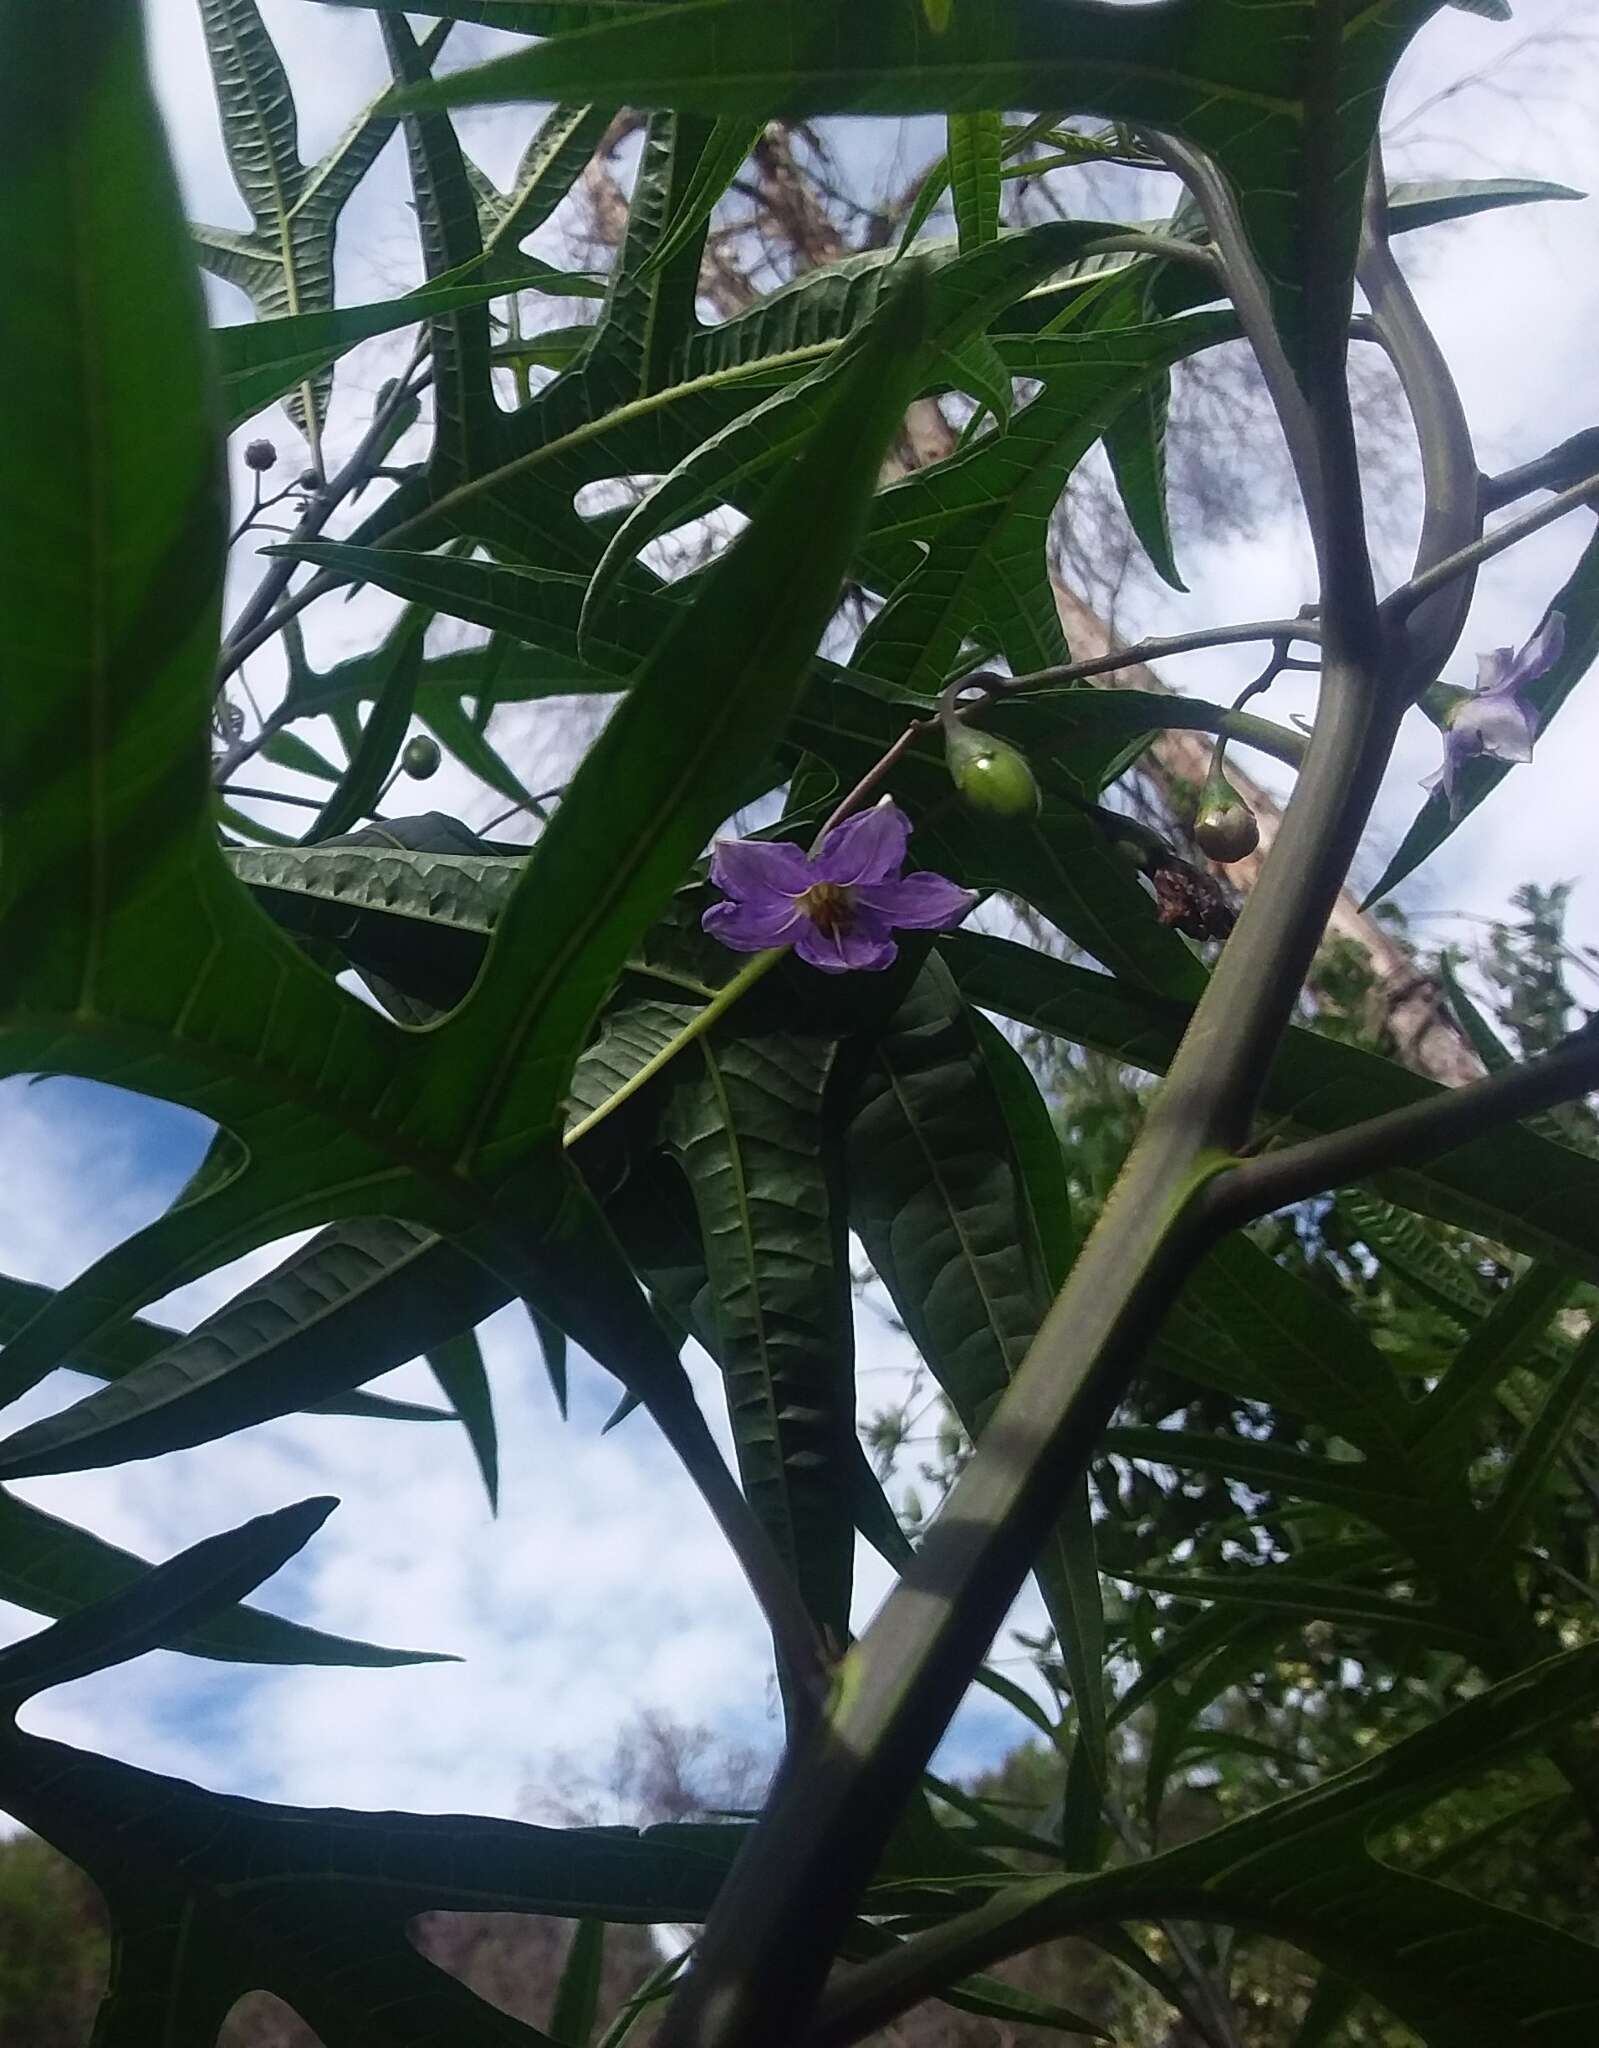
x: 837, y: 907
x: 1497, y: 722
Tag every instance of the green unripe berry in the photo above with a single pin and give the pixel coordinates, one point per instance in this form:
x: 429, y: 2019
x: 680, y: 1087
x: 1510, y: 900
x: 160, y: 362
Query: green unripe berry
x: 421, y: 757
x: 1227, y: 831
x: 991, y: 775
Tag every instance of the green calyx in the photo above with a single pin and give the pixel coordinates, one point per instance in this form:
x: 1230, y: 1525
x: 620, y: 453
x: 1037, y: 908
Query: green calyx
x: 1442, y: 701
x: 991, y: 775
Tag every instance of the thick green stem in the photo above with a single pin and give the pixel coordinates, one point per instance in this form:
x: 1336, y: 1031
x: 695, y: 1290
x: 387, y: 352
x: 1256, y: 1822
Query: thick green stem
x: 1409, y: 1136
x: 836, y: 1800
x: 723, y: 1000
x: 768, y: 1945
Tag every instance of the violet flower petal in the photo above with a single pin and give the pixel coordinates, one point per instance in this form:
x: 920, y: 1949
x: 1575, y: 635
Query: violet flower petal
x: 862, y: 940
x: 754, y: 867
x: 751, y: 925
x: 1497, y: 724
x: 1540, y: 654
x: 922, y: 902
x: 870, y: 847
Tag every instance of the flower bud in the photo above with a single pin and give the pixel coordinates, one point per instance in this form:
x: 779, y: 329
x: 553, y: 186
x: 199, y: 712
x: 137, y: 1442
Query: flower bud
x: 990, y: 773
x: 421, y: 757
x: 1225, y: 829
x: 260, y: 456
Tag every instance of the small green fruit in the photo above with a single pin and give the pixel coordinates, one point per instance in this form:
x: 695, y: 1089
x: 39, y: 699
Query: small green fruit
x: 421, y: 757
x: 1227, y: 830
x: 991, y: 774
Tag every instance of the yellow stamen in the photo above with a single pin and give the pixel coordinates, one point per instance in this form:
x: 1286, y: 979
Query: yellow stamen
x: 827, y: 905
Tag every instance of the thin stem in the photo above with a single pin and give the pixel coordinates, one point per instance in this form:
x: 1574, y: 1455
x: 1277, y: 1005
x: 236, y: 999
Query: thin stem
x: 246, y: 632
x: 872, y: 780
x: 1408, y: 1136
x: 1406, y: 598
x: 1158, y: 648
x: 252, y: 515
x: 1579, y: 1586
x: 535, y: 803
x: 723, y: 1000
x: 1218, y: 2016
x: 249, y: 696
x: 271, y: 796
x: 1276, y: 662
x: 1170, y: 248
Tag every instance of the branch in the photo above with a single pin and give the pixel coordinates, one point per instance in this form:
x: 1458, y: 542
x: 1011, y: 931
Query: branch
x: 1169, y: 248
x: 1564, y: 465
x: 1247, y: 290
x: 1401, y: 602
x: 1452, y: 500
x: 1404, y: 1137
x: 256, y: 622
x: 1158, y: 647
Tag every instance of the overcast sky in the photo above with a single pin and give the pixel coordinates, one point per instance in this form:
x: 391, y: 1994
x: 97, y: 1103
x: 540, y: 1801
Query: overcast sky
x: 602, y: 1587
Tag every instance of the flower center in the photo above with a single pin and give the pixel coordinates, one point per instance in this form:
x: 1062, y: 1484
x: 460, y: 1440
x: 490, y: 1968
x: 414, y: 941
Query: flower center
x: 827, y: 905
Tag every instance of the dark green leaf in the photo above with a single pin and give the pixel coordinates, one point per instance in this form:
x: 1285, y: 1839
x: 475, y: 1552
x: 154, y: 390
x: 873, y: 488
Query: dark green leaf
x: 974, y: 161
x: 940, y: 1201
x: 1539, y: 1448
x: 457, y: 1365
x: 552, y: 1348
x: 578, y: 1993
x: 50, y: 1567
x: 355, y: 1302
x: 285, y: 261
x: 261, y: 359
x: 1288, y: 117
x: 466, y: 437
x: 706, y: 711
x: 159, y: 1607
x: 1454, y: 1968
x: 1135, y: 442
x: 382, y: 736
x: 753, y: 1136
x: 725, y: 153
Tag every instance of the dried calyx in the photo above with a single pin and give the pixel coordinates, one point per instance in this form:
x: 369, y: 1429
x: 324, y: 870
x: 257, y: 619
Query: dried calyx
x: 1184, y: 897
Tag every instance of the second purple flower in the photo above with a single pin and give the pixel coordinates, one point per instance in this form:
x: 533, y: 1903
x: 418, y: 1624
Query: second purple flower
x: 1497, y: 722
